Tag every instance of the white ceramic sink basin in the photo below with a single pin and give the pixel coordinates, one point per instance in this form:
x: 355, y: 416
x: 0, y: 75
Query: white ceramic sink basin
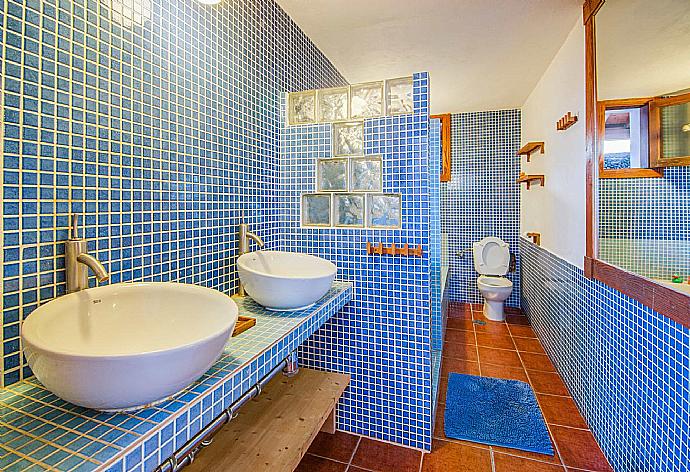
x: 125, y: 346
x: 285, y: 280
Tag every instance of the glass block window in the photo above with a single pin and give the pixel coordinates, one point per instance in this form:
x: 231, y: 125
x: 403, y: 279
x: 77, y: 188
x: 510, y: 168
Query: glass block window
x: 348, y: 139
x: 332, y: 175
x: 349, y: 210
x: 366, y: 174
x: 333, y: 104
x: 383, y: 211
x: 399, y: 96
x: 316, y: 209
x: 366, y: 100
x: 302, y: 107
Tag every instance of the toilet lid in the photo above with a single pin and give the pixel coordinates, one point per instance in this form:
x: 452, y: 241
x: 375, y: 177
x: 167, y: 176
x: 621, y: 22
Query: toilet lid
x: 491, y: 256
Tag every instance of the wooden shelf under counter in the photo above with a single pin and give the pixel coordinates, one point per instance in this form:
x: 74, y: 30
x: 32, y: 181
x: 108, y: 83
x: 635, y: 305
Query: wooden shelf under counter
x: 274, y: 430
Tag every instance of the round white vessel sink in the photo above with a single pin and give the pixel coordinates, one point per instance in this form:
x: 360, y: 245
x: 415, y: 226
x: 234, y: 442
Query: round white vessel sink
x: 285, y: 281
x: 127, y: 346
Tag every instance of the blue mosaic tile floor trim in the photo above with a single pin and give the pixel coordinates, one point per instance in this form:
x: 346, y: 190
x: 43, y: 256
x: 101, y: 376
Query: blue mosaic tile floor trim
x: 39, y: 431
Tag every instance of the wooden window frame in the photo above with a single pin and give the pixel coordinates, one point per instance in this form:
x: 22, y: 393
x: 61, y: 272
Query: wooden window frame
x: 662, y: 299
x: 632, y: 173
x: 656, y: 145
x: 445, y: 145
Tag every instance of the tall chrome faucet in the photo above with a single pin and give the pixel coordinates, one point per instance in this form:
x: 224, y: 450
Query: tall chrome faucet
x: 245, y: 236
x: 78, y: 261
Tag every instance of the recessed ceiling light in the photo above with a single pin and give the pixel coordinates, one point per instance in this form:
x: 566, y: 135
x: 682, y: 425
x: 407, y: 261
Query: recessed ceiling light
x: 686, y: 128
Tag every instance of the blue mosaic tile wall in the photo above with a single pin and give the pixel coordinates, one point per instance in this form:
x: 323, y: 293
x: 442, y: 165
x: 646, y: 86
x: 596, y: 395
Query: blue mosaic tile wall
x: 156, y: 120
x: 482, y: 198
x: 643, y: 223
x: 382, y: 337
x: 435, y: 232
x: 626, y: 366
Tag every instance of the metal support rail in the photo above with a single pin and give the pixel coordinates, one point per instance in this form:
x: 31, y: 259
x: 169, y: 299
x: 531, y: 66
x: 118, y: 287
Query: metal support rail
x: 186, y: 454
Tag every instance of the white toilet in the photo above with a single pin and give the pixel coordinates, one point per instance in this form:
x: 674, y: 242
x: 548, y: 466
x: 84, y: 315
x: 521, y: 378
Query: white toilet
x: 491, y: 260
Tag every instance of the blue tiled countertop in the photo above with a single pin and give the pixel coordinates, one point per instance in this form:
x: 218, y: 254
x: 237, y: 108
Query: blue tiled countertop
x: 39, y: 431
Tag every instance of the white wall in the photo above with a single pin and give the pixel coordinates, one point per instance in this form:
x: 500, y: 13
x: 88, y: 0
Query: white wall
x: 557, y: 210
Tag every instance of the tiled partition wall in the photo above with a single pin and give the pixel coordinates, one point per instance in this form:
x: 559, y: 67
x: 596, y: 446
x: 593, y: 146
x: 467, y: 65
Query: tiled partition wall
x: 382, y: 337
x: 157, y: 121
x: 482, y: 198
x: 626, y: 366
x: 435, y: 234
x: 643, y: 223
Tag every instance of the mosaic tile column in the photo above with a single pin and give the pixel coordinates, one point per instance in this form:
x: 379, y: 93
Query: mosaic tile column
x: 383, y: 337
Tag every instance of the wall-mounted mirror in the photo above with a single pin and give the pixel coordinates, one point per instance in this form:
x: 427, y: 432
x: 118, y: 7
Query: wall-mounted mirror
x: 643, y: 139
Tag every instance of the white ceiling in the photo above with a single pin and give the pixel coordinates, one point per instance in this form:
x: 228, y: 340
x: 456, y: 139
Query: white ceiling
x: 642, y: 48
x: 480, y: 54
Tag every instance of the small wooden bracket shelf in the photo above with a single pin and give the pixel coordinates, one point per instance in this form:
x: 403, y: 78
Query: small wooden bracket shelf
x: 394, y: 250
x: 274, y: 430
x: 243, y: 324
x: 566, y: 122
x: 529, y: 179
x: 530, y: 148
x: 536, y: 238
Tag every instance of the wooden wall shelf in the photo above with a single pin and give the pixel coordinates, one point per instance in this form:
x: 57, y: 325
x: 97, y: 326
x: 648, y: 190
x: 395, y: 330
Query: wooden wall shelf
x: 530, y: 179
x: 394, y: 250
x: 274, y: 430
x: 536, y: 238
x: 530, y: 148
x: 566, y: 122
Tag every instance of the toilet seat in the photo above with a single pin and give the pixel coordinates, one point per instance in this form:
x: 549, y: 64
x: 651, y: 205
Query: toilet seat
x: 491, y: 256
x: 493, y: 281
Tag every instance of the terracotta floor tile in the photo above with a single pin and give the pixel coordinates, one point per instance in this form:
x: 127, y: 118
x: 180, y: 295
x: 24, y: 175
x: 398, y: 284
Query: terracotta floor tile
x: 529, y: 345
x: 449, y: 456
x: 547, y: 382
x: 506, y: 463
x: 517, y: 320
x: 439, y: 432
x: 460, y: 323
x: 528, y: 455
x: 311, y: 463
x: 503, y: 372
x: 460, y: 351
x: 460, y: 366
x: 459, y: 311
x: 499, y: 357
x: 457, y: 336
x: 338, y: 446
x: 561, y: 411
x: 492, y: 327
x: 495, y: 341
x: 579, y: 449
x: 442, y: 391
x: 513, y: 310
x: 534, y: 361
x: 521, y: 331
x: 384, y: 457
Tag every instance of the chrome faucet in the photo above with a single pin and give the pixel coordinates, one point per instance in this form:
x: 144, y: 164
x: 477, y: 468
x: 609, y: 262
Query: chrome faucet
x: 78, y: 261
x: 245, y: 236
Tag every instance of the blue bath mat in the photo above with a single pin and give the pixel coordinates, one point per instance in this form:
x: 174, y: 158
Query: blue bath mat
x: 495, y: 411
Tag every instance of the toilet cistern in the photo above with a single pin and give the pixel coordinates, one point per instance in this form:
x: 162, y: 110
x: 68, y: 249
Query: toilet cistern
x: 492, y: 262
x: 245, y: 236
